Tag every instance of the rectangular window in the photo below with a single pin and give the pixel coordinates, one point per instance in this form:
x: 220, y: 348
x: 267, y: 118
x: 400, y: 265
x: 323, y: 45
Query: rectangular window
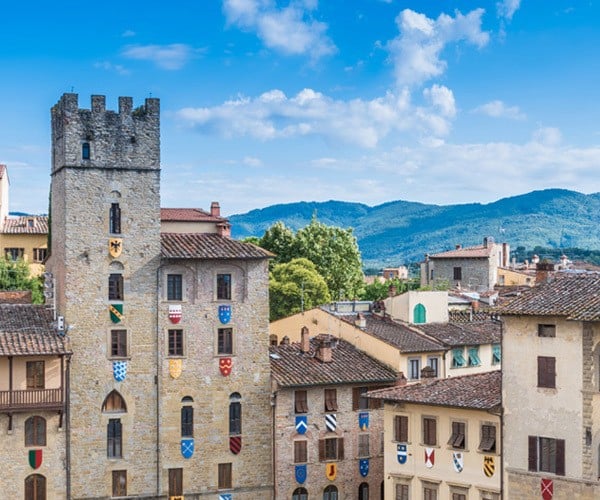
x: 331, y: 449
x: 175, y: 482
x: 547, y: 455
x: 489, y: 495
x: 457, y: 439
x: 300, y: 452
x: 433, y: 363
x: 414, y: 368
x: 40, y: 254
x: 359, y: 398
x: 458, y: 359
x: 35, y: 375
x: 14, y: 253
x: 546, y: 330
x: 118, y: 343
x: 115, y: 287
x: 187, y: 421
x: 458, y: 273
x: 402, y: 492
x: 174, y: 287
x: 223, y: 286
x: 225, y: 482
x: 115, y: 219
x: 474, y: 356
x: 459, y: 493
x: 175, y: 342
x: 401, y: 428
x: 300, y: 402
x: 85, y: 151
x: 225, y: 341
x: 430, y: 491
x: 488, y: 438
x: 114, y: 438
x: 363, y: 445
x: 119, y: 483
x: 546, y: 371
x: 331, y: 400
x: 496, y: 354
x: 429, y: 431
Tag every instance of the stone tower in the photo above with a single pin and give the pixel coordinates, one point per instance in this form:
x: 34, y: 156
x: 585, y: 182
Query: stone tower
x: 105, y: 255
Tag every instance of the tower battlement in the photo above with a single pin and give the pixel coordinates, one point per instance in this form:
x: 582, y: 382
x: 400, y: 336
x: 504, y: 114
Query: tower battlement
x: 101, y: 138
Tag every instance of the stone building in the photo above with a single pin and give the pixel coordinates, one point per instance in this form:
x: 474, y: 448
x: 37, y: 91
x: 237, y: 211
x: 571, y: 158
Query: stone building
x: 169, y: 330
x: 328, y: 436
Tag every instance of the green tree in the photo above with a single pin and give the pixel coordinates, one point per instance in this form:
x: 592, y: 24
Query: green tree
x: 14, y: 275
x: 279, y: 239
x: 295, y: 286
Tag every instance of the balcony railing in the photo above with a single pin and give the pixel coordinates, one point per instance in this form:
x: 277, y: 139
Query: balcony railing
x: 32, y: 399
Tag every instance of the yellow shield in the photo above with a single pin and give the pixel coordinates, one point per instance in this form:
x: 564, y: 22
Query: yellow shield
x: 115, y: 247
x: 489, y: 467
x: 175, y: 367
x: 331, y: 471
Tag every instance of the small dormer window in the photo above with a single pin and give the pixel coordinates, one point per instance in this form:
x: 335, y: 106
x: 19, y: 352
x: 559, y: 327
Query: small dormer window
x: 85, y: 151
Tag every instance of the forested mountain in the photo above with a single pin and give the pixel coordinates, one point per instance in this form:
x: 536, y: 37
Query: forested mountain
x: 401, y: 232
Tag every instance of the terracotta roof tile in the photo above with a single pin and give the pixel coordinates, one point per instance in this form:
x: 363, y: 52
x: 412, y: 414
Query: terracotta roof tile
x: 479, y: 251
x: 208, y: 246
x: 480, y: 391
x: 290, y: 367
x: 26, y: 224
x: 472, y: 333
x: 27, y: 329
x: 188, y: 215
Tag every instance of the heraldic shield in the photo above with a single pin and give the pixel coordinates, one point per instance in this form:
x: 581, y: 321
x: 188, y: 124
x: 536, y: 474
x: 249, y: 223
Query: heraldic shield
x: 225, y: 496
x: 331, y: 471
x: 301, y: 473
x: 175, y: 368
x: 175, y: 313
x: 429, y: 457
x: 457, y: 461
x: 116, y: 312
x: 224, y: 314
x: 115, y: 247
x: 547, y: 487
x: 119, y: 370
x: 363, y: 420
x: 225, y: 365
x: 489, y: 467
x: 35, y: 458
x: 363, y: 466
x: 402, y: 454
x: 187, y: 448
x: 301, y: 424
x: 235, y: 444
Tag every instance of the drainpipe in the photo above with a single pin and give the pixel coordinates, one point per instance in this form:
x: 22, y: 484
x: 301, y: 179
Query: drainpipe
x: 157, y: 384
x: 274, y: 451
x: 67, y: 390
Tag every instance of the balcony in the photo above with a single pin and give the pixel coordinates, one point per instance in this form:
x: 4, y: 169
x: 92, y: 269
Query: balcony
x: 32, y: 399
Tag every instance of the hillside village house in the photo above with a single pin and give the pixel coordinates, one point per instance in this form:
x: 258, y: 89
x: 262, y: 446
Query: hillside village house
x: 327, y: 434
x: 551, y: 373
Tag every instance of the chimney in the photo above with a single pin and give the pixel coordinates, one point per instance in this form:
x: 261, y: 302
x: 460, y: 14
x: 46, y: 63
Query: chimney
x: 427, y: 372
x: 458, y: 247
x: 324, y: 351
x: 360, y: 321
x: 215, y: 209
x: 285, y: 341
x: 505, y: 254
x: 304, y: 340
x: 224, y: 229
x: 543, y: 271
x: 475, y: 305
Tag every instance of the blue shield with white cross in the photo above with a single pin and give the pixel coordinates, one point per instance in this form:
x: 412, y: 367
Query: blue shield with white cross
x: 301, y: 424
x: 363, y: 466
x: 119, y: 370
x: 187, y: 448
x: 224, y: 314
x: 301, y: 473
x: 402, y: 453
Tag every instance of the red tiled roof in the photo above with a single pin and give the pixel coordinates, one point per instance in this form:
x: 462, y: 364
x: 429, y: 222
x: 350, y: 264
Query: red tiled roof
x: 481, y: 391
x: 478, y: 252
x: 187, y: 215
x: 290, y: 367
x: 27, y: 330
x: 573, y: 295
x: 472, y: 333
x: 26, y: 224
x: 208, y: 246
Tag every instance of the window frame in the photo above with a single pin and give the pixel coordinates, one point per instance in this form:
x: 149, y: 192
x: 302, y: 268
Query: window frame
x: 429, y: 428
x: 175, y: 343
x: 538, y: 457
x: 35, y: 431
x: 114, y: 219
x: 430, y: 491
x: 363, y: 445
x: 458, y: 357
x: 300, y: 493
x: 331, y: 449
x: 225, y: 476
x: 115, y: 287
x: 457, y: 273
x: 118, y: 343
x: 225, y: 341
x: 14, y: 253
x: 411, y: 368
x: 187, y: 421
x: 363, y: 491
x: 175, y: 286
x: 458, y: 436
x: 86, y: 151
x: 114, y: 438
x: 118, y: 488
x: 40, y: 254
x: 301, y: 401
x: 223, y: 286
x: 434, y: 360
x: 404, y: 493
x: 488, y: 440
x: 330, y: 400
x: 235, y: 414
x: 473, y: 358
x: 546, y: 372
x: 301, y: 451
x: 546, y: 330
x: 496, y: 354
x: 35, y: 487
x: 401, y: 428
x: 175, y: 482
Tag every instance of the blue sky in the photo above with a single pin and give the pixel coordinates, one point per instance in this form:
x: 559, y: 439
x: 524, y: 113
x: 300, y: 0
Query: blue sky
x: 267, y: 102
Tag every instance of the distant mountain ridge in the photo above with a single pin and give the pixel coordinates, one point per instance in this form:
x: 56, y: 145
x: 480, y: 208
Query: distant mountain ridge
x: 400, y: 232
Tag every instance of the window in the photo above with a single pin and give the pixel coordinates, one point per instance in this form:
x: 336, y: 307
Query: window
x: 331, y: 449
x: 175, y: 482
x: 331, y: 400
x: 300, y: 494
x: 119, y: 483
x: 363, y: 491
x: 300, y: 452
x: 430, y: 491
x: 35, y: 375
x: 174, y: 287
x: 419, y: 314
x: 429, y: 431
x: 330, y: 493
x: 35, y: 431
x: 14, y: 253
x: 225, y: 477
x: 187, y: 421
x: 402, y: 492
x: 35, y: 487
x: 175, y: 342
x: 115, y: 287
x: 225, y: 341
x: 85, y: 151
x: 458, y: 359
x: 363, y: 445
x: 235, y: 414
x: 474, y: 356
x: 546, y: 371
x: 457, y: 493
x: 114, y: 438
x: 489, y: 495
x: 547, y: 455
x: 401, y: 428
x: 114, y: 219
x: 434, y: 364
x: 40, y: 254
x: 496, y: 354
x: 223, y: 286
x: 300, y: 402
x: 546, y: 330
x: 457, y: 439
x: 118, y: 343
x: 458, y: 273
x: 114, y: 403
x: 414, y: 368
x: 359, y: 398
x: 488, y: 438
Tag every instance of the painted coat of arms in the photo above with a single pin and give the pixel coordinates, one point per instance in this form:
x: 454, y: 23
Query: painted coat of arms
x: 363, y: 420
x: 301, y: 424
x: 175, y: 313
x: 115, y: 247
x: 235, y: 444
x: 224, y: 314
x: 35, y: 458
x: 119, y: 370
x: 225, y: 365
x: 547, y: 487
x: 489, y: 467
x: 402, y: 454
x: 301, y: 473
x: 187, y: 448
x: 116, y: 312
x: 175, y: 368
x: 363, y: 466
x: 429, y: 457
x: 331, y: 471
x: 331, y: 422
x: 457, y: 461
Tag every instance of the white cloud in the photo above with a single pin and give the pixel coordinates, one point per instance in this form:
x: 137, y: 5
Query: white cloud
x: 251, y: 161
x: 507, y: 8
x: 441, y: 98
x: 108, y: 66
x: 128, y: 34
x: 288, y: 30
x: 170, y: 57
x: 416, y: 51
x: 547, y: 136
x: 498, y: 109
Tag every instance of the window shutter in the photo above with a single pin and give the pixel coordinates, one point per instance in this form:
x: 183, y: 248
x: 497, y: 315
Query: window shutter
x: 340, y: 448
x: 533, y: 453
x: 560, y: 457
x: 355, y: 398
x: 321, y: 450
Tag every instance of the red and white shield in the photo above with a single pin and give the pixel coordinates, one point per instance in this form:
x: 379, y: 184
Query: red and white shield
x: 547, y: 487
x: 175, y: 313
x: 429, y: 457
x: 225, y: 365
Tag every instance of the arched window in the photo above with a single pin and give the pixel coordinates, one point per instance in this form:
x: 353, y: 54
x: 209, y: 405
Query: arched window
x: 330, y: 493
x: 187, y: 417
x: 35, y: 487
x: 114, y: 403
x: 363, y: 491
x: 235, y: 414
x: 419, y: 314
x: 300, y: 494
x: 35, y: 431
